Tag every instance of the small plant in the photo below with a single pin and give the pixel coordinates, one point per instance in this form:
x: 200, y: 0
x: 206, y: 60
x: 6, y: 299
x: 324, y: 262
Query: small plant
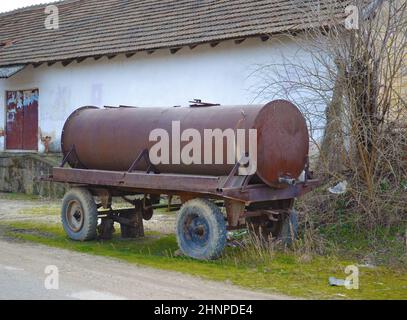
x: 251, y: 249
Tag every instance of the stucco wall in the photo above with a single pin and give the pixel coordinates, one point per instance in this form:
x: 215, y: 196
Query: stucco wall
x: 220, y: 74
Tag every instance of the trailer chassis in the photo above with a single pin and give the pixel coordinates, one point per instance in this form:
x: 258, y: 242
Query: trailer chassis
x: 244, y: 202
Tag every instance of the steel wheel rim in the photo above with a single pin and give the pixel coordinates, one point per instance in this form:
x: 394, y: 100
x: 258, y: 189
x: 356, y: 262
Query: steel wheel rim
x: 74, y: 216
x: 196, y: 231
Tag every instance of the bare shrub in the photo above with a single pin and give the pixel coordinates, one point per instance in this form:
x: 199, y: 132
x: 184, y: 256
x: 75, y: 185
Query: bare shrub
x: 351, y: 85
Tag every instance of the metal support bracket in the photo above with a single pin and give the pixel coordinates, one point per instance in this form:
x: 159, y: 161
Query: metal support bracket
x: 144, y: 155
x: 244, y: 182
x: 72, y: 152
x: 235, y: 211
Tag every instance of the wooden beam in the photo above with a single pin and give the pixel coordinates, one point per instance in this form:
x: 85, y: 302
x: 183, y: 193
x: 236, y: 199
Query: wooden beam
x: 175, y: 50
x: 67, y: 62
x: 239, y: 41
x: 79, y: 60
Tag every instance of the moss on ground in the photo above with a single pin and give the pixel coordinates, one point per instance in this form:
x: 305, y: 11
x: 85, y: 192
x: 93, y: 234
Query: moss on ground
x: 380, y: 246
x: 46, y: 210
x: 285, y: 273
x: 19, y: 196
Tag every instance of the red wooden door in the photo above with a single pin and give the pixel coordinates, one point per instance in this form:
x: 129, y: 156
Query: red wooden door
x: 30, y: 121
x: 22, y: 120
x: 14, y: 125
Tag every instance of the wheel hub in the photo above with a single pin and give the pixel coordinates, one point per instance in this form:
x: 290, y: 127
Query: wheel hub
x: 197, y: 230
x: 74, y: 216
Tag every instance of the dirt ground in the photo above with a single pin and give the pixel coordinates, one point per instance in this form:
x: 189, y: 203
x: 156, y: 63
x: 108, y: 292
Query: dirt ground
x: 84, y: 277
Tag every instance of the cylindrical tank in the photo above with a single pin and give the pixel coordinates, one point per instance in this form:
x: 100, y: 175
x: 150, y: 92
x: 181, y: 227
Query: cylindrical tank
x: 112, y: 138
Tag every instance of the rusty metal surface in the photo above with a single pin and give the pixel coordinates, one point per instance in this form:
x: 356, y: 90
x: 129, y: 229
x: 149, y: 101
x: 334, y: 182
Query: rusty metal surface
x: 262, y: 193
x: 137, y: 180
x: 234, y: 211
x: 176, y: 184
x: 111, y: 139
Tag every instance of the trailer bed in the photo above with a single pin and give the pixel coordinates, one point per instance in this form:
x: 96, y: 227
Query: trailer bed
x: 212, y: 186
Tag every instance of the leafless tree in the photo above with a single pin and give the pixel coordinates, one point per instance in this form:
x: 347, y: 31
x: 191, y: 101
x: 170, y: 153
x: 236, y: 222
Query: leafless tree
x: 349, y: 78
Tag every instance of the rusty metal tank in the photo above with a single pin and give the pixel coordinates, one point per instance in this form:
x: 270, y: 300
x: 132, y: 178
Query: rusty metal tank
x: 112, y: 138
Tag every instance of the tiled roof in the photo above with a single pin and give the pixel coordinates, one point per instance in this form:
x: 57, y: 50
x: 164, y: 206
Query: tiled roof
x: 7, y: 72
x: 106, y: 27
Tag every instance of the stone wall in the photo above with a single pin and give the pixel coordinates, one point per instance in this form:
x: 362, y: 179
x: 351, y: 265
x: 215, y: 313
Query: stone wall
x: 19, y: 173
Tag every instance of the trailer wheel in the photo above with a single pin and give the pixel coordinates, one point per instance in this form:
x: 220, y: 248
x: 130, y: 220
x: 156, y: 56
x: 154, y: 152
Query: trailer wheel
x: 289, y: 230
x: 284, y: 230
x: 79, y: 215
x: 201, y: 230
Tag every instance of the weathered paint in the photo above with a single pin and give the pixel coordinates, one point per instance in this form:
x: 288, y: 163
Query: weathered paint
x: 30, y: 134
x: 220, y: 74
x: 22, y: 120
x: 104, y: 139
x: 14, y: 120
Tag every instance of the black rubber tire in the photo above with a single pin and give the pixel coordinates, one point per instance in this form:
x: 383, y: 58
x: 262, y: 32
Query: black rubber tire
x: 289, y: 230
x: 88, y: 229
x: 210, y: 244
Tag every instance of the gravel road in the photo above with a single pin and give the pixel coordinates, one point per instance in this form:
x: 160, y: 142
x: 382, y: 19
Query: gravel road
x: 86, y: 277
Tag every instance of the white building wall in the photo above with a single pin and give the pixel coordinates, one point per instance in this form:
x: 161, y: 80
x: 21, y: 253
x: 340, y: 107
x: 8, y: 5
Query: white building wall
x: 220, y: 74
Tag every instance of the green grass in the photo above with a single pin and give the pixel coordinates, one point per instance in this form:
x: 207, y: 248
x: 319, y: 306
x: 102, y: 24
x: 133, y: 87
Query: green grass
x: 164, y: 211
x: 46, y: 210
x: 18, y: 196
x: 339, y: 230
x: 382, y: 246
x: 281, y: 272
